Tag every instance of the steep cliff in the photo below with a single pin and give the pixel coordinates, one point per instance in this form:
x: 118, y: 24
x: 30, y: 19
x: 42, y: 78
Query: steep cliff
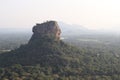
x: 48, y: 29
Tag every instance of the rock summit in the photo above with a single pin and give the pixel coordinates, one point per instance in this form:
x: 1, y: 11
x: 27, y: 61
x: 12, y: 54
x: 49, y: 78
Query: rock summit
x: 47, y: 29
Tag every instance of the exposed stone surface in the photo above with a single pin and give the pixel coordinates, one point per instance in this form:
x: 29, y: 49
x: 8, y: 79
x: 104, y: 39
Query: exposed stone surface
x: 48, y: 29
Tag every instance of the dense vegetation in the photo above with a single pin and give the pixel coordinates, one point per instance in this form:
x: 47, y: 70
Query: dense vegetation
x: 46, y: 59
x: 18, y: 72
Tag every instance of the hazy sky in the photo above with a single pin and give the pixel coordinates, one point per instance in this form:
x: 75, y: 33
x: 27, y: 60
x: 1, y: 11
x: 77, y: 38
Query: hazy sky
x: 93, y: 14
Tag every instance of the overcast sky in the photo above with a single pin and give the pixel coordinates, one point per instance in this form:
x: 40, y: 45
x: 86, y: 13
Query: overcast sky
x: 93, y: 14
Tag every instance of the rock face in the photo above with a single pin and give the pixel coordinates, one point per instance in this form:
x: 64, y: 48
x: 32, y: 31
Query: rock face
x: 48, y: 29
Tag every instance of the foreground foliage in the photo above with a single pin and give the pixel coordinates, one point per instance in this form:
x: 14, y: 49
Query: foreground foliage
x: 19, y: 72
x: 45, y: 59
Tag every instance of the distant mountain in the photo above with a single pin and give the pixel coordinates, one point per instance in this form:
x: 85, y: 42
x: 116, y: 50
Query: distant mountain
x: 71, y: 30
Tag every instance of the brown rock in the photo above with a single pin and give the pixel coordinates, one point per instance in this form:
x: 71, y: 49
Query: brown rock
x: 48, y: 29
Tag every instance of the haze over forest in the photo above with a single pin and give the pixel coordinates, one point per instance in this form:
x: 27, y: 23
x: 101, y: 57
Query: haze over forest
x: 59, y: 40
